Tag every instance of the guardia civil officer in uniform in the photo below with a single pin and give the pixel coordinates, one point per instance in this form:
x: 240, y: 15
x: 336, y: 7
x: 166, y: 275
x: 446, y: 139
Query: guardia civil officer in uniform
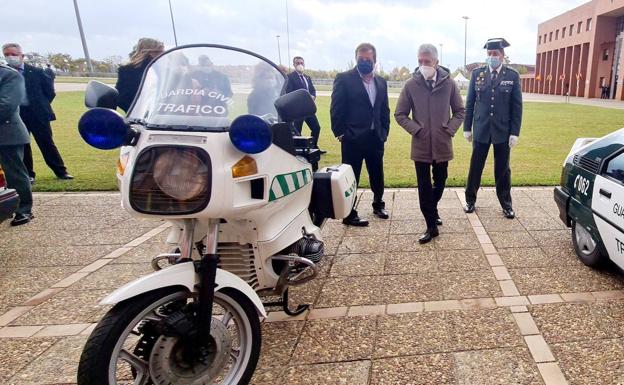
x: 13, y: 137
x: 493, y: 117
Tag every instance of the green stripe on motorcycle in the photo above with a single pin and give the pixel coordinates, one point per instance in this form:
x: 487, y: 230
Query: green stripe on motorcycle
x: 280, y: 186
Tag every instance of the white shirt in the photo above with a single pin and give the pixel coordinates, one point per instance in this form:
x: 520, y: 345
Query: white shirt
x: 498, y: 70
x: 434, y: 78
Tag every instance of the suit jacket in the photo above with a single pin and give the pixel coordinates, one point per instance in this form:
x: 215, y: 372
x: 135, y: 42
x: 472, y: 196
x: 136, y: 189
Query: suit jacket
x: 128, y: 82
x: 40, y: 93
x: 294, y: 83
x: 351, y: 111
x: 494, y: 108
x: 12, y: 129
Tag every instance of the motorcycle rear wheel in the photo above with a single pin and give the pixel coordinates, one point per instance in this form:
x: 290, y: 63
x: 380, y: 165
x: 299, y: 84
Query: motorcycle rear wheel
x: 117, y: 352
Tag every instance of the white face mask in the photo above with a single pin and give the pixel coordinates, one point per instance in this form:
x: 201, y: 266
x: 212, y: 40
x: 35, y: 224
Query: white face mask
x: 427, y: 72
x: 299, y: 68
x: 13, y: 61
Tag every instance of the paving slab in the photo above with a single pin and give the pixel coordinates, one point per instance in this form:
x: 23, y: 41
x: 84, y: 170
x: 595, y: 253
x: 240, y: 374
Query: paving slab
x: 386, y: 310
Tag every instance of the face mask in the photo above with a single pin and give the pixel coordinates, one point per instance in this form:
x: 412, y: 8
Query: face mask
x: 427, y: 72
x: 13, y: 61
x: 365, y: 66
x: 493, y: 61
x: 299, y: 68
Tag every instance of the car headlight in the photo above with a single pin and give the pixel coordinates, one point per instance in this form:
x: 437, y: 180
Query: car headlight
x: 171, y: 180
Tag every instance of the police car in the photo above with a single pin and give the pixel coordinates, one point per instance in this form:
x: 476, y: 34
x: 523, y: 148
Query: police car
x: 591, y: 198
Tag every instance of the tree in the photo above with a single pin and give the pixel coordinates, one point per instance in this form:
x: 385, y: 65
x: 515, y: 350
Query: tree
x: 60, y: 61
x: 35, y: 59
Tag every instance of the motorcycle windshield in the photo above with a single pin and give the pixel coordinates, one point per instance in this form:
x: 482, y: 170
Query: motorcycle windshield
x: 206, y: 88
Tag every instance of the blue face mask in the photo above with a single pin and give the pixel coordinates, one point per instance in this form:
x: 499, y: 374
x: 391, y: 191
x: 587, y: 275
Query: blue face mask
x: 493, y: 61
x: 365, y: 66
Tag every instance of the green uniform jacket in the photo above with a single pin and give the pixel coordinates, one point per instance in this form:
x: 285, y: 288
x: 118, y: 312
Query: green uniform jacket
x: 494, y: 108
x: 12, y: 129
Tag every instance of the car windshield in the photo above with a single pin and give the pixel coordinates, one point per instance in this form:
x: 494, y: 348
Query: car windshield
x: 205, y: 88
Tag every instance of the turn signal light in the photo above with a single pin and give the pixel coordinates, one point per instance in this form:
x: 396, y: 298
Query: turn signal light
x: 244, y: 167
x: 122, y: 161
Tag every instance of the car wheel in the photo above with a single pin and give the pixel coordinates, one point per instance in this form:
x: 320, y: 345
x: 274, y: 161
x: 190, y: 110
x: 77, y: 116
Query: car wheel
x: 587, y: 248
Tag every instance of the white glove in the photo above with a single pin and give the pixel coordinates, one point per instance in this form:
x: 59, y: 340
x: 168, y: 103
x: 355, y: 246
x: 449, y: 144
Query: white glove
x: 468, y: 135
x: 513, y: 140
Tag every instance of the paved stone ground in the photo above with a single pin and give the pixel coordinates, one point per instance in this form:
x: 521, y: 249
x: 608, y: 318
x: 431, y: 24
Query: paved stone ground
x: 491, y: 301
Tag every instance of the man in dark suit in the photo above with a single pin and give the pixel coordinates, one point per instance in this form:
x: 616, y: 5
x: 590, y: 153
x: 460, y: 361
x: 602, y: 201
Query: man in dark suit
x: 13, y: 137
x: 48, y: 70
x: 36, y: 111
x: 493, y: 117
x: 360, y: 119
x: 298, y: 80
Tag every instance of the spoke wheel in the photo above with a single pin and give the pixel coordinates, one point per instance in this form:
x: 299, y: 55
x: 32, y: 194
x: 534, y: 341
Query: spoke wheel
x: 124, y: 349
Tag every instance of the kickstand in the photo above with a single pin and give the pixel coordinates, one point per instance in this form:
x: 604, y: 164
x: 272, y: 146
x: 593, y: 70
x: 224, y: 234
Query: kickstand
x: 300, y: 309
x: 283, y: 302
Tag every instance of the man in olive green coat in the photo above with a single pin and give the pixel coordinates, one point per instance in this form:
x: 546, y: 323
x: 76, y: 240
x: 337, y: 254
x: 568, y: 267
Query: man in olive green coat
x: 437, y: 111
x: 13, y: 137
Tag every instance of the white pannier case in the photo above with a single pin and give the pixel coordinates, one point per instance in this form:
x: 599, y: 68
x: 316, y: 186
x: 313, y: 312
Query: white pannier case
x: 334, y: 190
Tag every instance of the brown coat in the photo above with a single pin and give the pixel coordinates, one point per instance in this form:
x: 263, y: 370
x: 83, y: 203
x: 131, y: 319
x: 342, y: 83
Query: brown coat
x: 431, y: 125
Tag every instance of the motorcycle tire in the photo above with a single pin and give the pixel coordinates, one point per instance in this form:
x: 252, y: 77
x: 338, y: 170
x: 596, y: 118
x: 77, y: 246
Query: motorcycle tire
x: 95, y: 362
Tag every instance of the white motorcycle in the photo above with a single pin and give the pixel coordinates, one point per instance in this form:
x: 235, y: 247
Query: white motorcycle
x: 207, y: 144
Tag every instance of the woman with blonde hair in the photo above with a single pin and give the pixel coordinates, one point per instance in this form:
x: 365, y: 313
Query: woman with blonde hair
x: 130, y: 75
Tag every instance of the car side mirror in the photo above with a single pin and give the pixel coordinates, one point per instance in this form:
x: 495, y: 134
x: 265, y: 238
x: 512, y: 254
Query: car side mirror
x: 295, y: 105
x: 102, y: 95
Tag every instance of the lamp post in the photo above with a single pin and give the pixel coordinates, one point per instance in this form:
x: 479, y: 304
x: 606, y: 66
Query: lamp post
x: 279, y: 52
x: 175, y: 36
x: 440, y: 55
x: 82, y: 37
x: 287, y: 34
x: 465, y: 38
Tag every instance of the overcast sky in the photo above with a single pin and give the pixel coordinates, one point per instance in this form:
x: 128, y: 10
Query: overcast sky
x: 323, y: 31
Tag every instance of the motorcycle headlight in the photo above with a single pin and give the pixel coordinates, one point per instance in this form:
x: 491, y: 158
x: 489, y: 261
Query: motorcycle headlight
x: 180, y: 174
x: 171, y: 180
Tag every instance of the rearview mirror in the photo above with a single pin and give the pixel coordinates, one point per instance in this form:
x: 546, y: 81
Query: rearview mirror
x: 296, y: 105
x: 102, y: 95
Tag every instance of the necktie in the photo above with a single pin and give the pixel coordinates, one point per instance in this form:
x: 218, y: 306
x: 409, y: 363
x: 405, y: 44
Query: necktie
x: 305, y: 83
x: 494, y: 75
x: 430, y: 84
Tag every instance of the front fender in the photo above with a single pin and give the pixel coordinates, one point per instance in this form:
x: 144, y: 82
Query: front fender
x: 184, y: 276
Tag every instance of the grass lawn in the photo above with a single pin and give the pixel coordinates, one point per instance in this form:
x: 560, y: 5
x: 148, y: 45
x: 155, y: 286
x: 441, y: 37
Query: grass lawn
x: 548, y: 131
x: 79, y: 79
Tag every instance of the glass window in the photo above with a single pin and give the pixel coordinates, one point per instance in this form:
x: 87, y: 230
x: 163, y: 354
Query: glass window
x: 605, y: 55
x: 615, y: 168
x: 557, y: 35
x: 580, y: 24
x: 550, y: 37
x: 589, y: 24
x: 571, y: 29
x: 563, y: 32
x: 540, y: 40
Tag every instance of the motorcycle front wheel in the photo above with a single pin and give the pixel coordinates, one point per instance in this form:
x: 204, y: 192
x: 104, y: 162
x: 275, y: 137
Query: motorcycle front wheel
x: 125, y: 349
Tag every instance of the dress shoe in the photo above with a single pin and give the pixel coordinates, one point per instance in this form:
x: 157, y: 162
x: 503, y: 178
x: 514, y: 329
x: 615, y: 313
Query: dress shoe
x: 322, y: 151
x: 428, y: 236
x: 355, y: 221
x: 469, y: 208
x: 439, y: 221
x: 509, y: 213
x: 381, y: 213
x: 21, y: 219
x: 65, y: 176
